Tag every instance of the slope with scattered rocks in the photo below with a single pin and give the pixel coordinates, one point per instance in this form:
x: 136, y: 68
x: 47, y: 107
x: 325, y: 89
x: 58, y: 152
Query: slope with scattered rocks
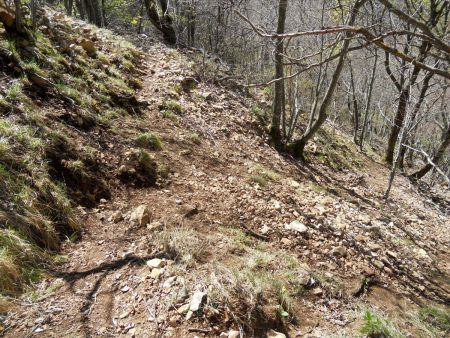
x: 236, y: 239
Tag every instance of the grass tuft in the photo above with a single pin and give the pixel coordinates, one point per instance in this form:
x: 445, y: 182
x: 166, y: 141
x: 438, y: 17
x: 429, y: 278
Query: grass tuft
x: 149, y: 141
x: 435, y: 317
x: 375, y: 326
x: 36, y: 145
x: 263, y: 176
x: 172, y: 106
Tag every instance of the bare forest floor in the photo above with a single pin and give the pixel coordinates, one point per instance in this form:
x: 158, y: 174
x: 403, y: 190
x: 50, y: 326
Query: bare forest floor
x: 217, y: 220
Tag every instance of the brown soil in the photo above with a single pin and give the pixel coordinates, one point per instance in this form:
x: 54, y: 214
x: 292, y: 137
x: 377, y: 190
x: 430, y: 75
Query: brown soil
x: 105, y: 288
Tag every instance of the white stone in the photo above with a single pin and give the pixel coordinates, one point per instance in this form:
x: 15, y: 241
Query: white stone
x: 155, y: 263
x: 197, y: 301
x: 265, y: 229
x: 233, y: 334
x: 297, y: 227
x: 275, y: 334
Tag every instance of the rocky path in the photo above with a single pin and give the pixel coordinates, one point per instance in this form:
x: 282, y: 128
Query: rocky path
x: 150, y: 260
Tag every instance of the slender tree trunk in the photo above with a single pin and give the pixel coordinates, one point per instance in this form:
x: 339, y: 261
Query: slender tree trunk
x: 397, y: 124
x: 279, y: 98
x: 395, y: 161
x: 368, y: 102
x: 439, y: 153
x: 191, y: 24
x: 320, y: 77
x: 81, y: 6
x: 141, y: 17
x: 103, y: 14
x: 417, y: 106
x: 298, y: 147
x: 405, y: 92
x: 68, y: 4
x: 34, y: 7
x: 19, y: 16
x: 355, y: 105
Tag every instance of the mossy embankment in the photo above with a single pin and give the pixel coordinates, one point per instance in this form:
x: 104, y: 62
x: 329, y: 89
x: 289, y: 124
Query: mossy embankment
x: 63, y: 90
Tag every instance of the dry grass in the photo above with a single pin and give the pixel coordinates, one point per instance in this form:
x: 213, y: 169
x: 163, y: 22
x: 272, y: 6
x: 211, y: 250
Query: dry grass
x: 263, y: 175
x: 35, y: 210
x: 182, y: 243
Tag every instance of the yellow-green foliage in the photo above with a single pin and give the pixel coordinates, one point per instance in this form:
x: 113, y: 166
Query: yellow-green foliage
x: 261, y: 114
x: 147, y: 161
x: 20, y: 261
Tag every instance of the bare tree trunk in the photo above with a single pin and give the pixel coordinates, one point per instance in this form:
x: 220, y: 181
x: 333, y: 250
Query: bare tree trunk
x: 68, y: 4
x: 34, y: 7
x: 395, y: 162
x: 80, y: 4
x: 417, y: 106
x: 163, y: 22
x: 368, y: 101
x: 355, y: 105
x: 141, y: 17
x: 279, y: 98
x: 439, y: 153
x: 19, y: 16
x: 191, y: 24
x: 298, y: 147
x: 103, y: 14
x: 320, y: 76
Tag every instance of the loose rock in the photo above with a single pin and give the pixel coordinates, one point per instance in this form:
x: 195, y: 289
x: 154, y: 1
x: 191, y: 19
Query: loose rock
x: 155, y: 263
x: 297, y: 227
x: 140, y: 216
x: 339, y: 251
x: 197, y: 301
x: 275, y: 334
x: 233, y: 334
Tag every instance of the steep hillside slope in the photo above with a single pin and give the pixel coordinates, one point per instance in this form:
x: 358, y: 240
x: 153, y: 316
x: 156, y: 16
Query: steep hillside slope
x: 234, y: 238
x: 59, y: 98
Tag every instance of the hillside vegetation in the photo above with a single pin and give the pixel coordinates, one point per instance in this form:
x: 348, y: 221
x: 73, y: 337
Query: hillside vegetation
x: 58, y: 96
x: 143, y: 195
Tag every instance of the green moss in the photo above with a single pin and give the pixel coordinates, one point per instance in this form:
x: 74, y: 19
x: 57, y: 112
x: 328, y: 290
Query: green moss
x: 69, y: 91
x: 33, y: 66
x: 168, y: 115
x: 172, y: 106
x: 196, y: 138
x: 147, y: 161
x: 149, y: 141
x: 103, y: 58
x: 259, y: 179
x: 15, y: 91
x: 267, y: 92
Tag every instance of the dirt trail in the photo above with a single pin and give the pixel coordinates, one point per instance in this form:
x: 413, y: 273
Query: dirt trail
x: 216, y: 162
